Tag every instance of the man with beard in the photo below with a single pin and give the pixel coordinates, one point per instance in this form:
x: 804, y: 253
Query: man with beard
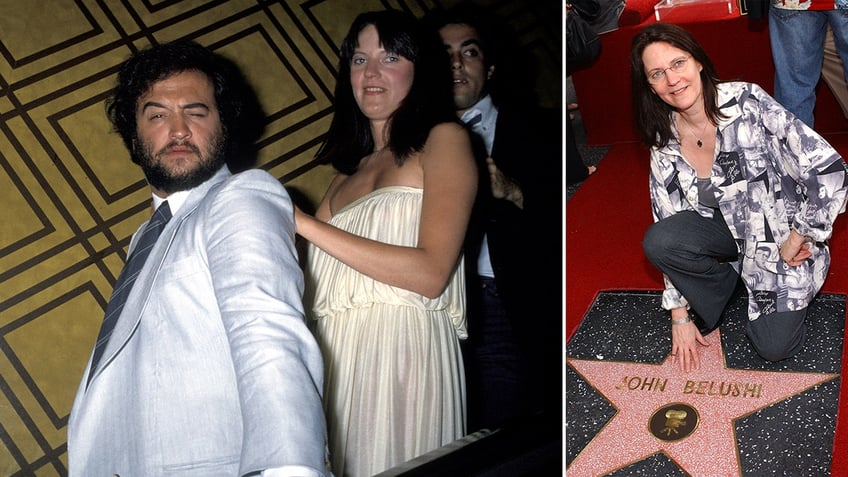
x: 204, y: 364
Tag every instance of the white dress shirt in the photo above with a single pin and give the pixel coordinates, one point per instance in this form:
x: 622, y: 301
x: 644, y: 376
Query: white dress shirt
x: 486, y: 130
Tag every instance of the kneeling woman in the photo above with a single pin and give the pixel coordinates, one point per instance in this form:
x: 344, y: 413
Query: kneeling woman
x: 740, y: 188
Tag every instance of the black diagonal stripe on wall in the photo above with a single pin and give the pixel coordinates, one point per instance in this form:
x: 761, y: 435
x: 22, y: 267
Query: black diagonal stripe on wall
x: 93, y: 30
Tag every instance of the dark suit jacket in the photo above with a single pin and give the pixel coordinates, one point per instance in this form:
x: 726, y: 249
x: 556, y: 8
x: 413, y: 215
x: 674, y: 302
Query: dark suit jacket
x: 525, y: 246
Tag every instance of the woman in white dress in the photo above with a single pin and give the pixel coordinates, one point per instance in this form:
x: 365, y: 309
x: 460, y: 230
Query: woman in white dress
x: 384, y: 275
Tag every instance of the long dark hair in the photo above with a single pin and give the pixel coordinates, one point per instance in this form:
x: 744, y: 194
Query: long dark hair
x: 242, y: 118
x: 429, y: 102
x: 652, y: 115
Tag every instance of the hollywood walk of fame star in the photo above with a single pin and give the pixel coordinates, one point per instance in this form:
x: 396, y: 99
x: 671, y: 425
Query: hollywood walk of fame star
x: 717, y: 394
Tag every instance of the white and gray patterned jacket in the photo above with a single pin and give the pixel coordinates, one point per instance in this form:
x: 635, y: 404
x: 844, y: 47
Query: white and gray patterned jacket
x: 773, y: 174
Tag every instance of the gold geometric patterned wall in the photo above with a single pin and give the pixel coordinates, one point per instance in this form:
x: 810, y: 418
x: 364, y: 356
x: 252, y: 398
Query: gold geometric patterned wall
x: 70, y: 198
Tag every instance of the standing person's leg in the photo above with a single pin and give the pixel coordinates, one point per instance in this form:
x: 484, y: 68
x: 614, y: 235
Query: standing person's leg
x: 575, y: 169
x: 501, y: 368
x: 694, y: 252
x: 797, y: 48
x: 837, y: 22
x: 833, y: 72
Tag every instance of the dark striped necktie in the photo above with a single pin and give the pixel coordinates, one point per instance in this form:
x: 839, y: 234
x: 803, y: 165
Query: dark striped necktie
x: 126, y: 279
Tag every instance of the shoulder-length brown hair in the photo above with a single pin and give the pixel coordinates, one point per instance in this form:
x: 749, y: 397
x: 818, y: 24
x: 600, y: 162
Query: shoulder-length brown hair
x: 651, y: 114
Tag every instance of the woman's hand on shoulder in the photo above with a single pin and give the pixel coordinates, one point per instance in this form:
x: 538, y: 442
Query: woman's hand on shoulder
x: 299, y: 218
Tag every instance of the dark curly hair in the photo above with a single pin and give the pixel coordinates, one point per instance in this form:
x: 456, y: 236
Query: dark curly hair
x: 429, y: 102
x: 242, y: 118
x: 485, y: 24
x: 508, y: 83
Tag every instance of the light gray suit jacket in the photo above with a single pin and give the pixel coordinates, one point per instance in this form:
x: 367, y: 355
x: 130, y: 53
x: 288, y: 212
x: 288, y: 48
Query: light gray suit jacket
x: 210, y: 370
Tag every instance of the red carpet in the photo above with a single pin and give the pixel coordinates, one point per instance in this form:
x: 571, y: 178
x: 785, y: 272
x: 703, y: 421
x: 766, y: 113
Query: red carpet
x: 605, y: 221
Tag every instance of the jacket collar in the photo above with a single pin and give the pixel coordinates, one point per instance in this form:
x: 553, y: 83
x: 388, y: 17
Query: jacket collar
x: 140, y: 294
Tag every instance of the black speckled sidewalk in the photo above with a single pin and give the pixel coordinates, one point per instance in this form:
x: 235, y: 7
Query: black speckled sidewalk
x: 629, y: 412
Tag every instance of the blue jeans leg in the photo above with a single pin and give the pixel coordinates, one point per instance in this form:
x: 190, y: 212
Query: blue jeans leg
x: 797, y: 48
x: 838, y: 21
x: 695, y: 253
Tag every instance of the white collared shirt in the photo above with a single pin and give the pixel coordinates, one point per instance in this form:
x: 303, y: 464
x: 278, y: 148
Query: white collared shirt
x: 175, y: 201
x: 486, y: 127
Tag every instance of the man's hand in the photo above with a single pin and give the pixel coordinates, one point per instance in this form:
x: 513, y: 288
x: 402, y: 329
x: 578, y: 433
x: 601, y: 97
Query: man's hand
x: 504, y: 187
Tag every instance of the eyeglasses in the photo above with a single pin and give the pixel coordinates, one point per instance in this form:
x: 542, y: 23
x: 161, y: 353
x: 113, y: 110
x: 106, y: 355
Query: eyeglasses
x: 677, y: 66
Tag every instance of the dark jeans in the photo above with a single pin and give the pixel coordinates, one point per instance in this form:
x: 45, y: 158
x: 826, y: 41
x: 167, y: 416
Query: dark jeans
x: 498, y: 388
x: 694, y: 252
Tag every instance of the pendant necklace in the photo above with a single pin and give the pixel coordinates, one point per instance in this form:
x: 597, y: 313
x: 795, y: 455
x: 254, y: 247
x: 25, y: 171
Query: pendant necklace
x: 696, y: 136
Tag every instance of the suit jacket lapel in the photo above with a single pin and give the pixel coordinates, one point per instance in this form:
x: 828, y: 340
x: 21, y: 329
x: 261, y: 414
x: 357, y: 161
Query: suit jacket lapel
x: 140, y: 295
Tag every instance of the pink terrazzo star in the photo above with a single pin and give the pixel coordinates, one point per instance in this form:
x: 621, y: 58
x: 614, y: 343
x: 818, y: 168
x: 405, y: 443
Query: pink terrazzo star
x: 719, y: 396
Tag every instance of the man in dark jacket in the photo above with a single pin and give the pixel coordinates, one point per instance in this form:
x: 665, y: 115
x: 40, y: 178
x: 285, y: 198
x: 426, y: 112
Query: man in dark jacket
x: 513, y: 247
